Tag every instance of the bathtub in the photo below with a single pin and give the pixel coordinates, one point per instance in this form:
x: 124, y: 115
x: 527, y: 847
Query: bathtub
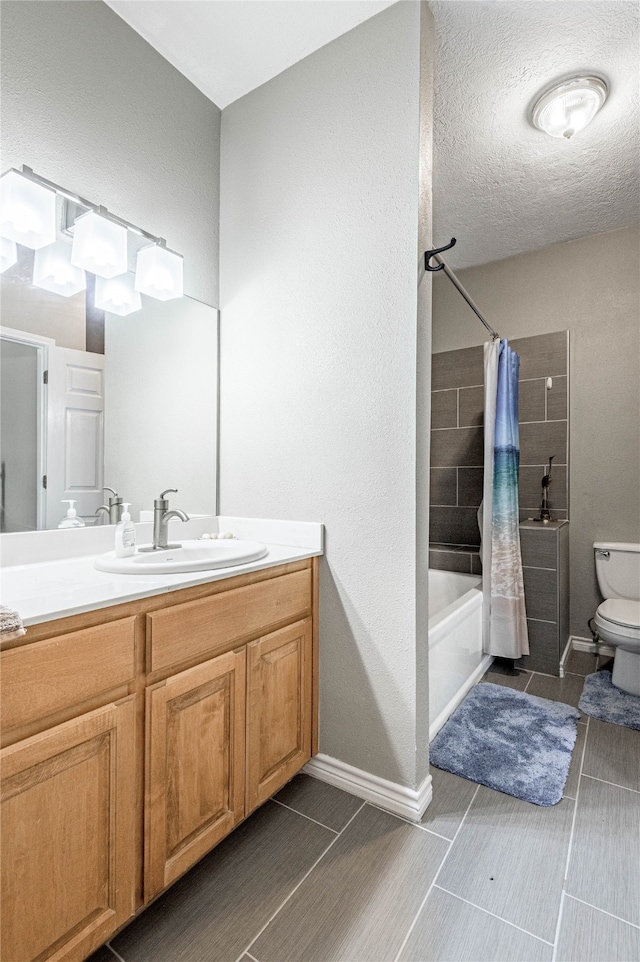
x: 456, y: 660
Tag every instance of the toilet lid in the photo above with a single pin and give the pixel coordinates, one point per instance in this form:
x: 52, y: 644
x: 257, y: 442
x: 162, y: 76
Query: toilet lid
x: 621, y: 611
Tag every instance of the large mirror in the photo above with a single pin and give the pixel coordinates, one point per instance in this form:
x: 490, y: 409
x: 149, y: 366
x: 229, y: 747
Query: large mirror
x: 92, y: 399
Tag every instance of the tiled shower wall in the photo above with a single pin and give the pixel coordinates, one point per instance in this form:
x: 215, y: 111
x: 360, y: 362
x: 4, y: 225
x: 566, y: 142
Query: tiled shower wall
x: 457, y: 440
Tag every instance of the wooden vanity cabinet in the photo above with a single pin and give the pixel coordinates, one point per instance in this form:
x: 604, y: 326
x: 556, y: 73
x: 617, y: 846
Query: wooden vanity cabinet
x: 135, y: 738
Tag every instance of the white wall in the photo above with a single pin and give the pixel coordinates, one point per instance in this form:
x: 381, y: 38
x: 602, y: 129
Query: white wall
x: 89, y: 104
x: 319, y: 255
x: 590, y: 286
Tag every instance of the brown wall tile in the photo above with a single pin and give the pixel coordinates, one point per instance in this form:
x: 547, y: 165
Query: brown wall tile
x: 540, y: 439
x: 557, y: 406
x: 543, y: 355
x: 454, y: 525
x: 539, y: 547
x: 531, y: 400
x: 444, y: 486
x: 462, y: 368
x: 450, y: 561
x: 540, y: 589
x: 471, y: 406
x: 444, y: 409
x: 544, y: 648
x: 457, y: 446
x: 470, y: 484
x: 530, y: 488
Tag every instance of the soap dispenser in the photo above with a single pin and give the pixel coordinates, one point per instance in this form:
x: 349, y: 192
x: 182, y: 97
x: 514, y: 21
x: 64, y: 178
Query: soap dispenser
x: 125, y: 534
x: 72, y: 520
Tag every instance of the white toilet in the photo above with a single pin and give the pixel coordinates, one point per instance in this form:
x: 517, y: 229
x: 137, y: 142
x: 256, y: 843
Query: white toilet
x: 617, y: 619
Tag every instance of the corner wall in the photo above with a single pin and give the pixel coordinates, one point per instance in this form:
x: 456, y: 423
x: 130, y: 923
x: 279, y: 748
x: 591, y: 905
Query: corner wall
x: 89, y: 104
x: 319, y: 255
x: 590, y: 286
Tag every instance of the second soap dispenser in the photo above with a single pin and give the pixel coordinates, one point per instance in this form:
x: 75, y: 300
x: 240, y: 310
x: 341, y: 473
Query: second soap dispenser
x: 125, y: 535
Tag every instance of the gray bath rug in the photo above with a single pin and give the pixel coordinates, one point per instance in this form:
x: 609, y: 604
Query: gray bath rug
x: 601, y: 699
x: 516, y: 743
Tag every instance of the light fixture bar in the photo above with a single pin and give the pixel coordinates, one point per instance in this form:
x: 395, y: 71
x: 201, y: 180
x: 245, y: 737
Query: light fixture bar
x: 89, y: 205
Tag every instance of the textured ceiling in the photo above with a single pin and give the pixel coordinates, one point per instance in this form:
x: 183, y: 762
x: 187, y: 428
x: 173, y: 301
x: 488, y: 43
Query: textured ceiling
x: 500, y: 186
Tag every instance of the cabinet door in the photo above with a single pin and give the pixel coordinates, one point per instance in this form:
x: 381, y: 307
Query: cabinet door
x: 195, y: 765
x: 68, y: 827
x: 278, y: 709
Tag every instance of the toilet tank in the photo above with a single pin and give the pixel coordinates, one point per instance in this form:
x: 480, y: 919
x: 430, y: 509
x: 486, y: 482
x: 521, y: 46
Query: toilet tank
x: 618, y: 569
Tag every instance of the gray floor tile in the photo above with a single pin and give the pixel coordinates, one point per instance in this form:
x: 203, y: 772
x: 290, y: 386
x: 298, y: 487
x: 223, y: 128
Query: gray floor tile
x: 581, y: 662
x: 449, y: 929
x: 613, y: 754
x: 519, y: 681
x: 509, y: 858
x: 103, y: 954
x: 605, y: 856
x: 587, y: 935
x: 567, y: 689
x: 360, y: 900
x: 571, y: 785
x: 328, y: 805
x: 451, y: 797
x: 222, y: 903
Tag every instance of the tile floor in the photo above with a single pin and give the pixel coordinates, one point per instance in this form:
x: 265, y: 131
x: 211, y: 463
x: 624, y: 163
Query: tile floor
x: 316, y: 874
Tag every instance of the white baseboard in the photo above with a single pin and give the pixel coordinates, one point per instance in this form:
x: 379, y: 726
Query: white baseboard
x: 409, y: 803
x: 586, y: 644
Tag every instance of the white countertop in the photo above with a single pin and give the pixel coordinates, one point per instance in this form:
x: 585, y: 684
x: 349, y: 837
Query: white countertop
x: 56, y: 588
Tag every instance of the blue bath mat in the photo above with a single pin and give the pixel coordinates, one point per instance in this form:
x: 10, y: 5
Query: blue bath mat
x: 516, y: 743
x: 601, y: 699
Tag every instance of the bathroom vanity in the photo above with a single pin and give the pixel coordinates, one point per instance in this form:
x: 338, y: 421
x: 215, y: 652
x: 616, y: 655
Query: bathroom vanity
x: 137, y: 735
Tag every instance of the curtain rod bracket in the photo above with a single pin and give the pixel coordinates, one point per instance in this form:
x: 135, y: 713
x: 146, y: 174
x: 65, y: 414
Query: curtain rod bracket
x: 437, y: 250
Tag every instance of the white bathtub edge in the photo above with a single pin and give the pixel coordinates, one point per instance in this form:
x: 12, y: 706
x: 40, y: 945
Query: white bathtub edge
x: 448, y: 710
x: 409, y: 803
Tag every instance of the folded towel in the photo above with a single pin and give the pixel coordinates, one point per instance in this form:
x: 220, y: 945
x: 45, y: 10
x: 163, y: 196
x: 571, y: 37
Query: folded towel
x: 10, y: 624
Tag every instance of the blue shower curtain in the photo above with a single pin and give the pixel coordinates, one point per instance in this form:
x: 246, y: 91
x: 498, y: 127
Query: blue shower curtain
x: 505, y: 620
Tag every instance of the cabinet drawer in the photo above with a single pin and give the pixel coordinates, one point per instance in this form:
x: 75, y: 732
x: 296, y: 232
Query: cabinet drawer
x: 49, y: 676
x: 202, y: 628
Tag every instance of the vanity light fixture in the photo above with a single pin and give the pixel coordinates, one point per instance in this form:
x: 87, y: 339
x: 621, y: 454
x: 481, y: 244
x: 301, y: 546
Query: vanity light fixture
x: 54, y: 271
x: 27, y: 211
x: 568, y: 106
x: 117, y: 295
x: 99, y: 245
x: 159, y: 272
x: 8, y: 254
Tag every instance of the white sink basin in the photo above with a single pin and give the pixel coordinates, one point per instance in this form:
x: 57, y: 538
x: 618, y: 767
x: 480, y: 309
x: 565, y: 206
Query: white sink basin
x: 190, y: 556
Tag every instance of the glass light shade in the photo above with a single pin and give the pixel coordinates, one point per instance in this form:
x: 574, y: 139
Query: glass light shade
x: 569, y: 106
x: 117, y: 295
x: 159, y: 273
x: 8, y: 254
x: 27, y: 211
x: 53, y: 270
x: 99, y: 245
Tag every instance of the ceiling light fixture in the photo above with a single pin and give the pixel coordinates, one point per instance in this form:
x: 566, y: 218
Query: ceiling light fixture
x: 567, y: 107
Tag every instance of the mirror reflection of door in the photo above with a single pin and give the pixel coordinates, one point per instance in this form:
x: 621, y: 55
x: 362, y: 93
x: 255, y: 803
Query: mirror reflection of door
x: 22, y: 428
x: 75, y: 433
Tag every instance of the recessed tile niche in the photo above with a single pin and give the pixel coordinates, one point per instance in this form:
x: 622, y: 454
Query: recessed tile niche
x: 457, y: 442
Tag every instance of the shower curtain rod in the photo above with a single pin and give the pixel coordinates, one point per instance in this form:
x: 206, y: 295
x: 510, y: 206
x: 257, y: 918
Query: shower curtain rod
x: 454, y: 280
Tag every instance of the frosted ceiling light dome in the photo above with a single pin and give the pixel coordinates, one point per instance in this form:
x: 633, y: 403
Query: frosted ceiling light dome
x: 27, y: 211
x: 8, y: 254
x: 117, y: 295
x: 99, y: 245
x: 53, y: 271
x: 159, y: 273
x: 569, y: 106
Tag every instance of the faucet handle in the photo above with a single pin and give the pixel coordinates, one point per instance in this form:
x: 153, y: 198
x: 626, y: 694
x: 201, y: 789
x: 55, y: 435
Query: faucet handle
x: 105, y: 487
x: 168, y: 491
x: 162, y: 503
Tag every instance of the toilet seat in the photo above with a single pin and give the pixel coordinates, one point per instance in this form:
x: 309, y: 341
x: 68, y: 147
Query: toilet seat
x: 621, y: 616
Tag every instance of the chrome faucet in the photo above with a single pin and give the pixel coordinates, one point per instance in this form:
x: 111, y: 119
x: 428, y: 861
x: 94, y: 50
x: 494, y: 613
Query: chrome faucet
x: 114, y: 509
x: 161, y: 517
